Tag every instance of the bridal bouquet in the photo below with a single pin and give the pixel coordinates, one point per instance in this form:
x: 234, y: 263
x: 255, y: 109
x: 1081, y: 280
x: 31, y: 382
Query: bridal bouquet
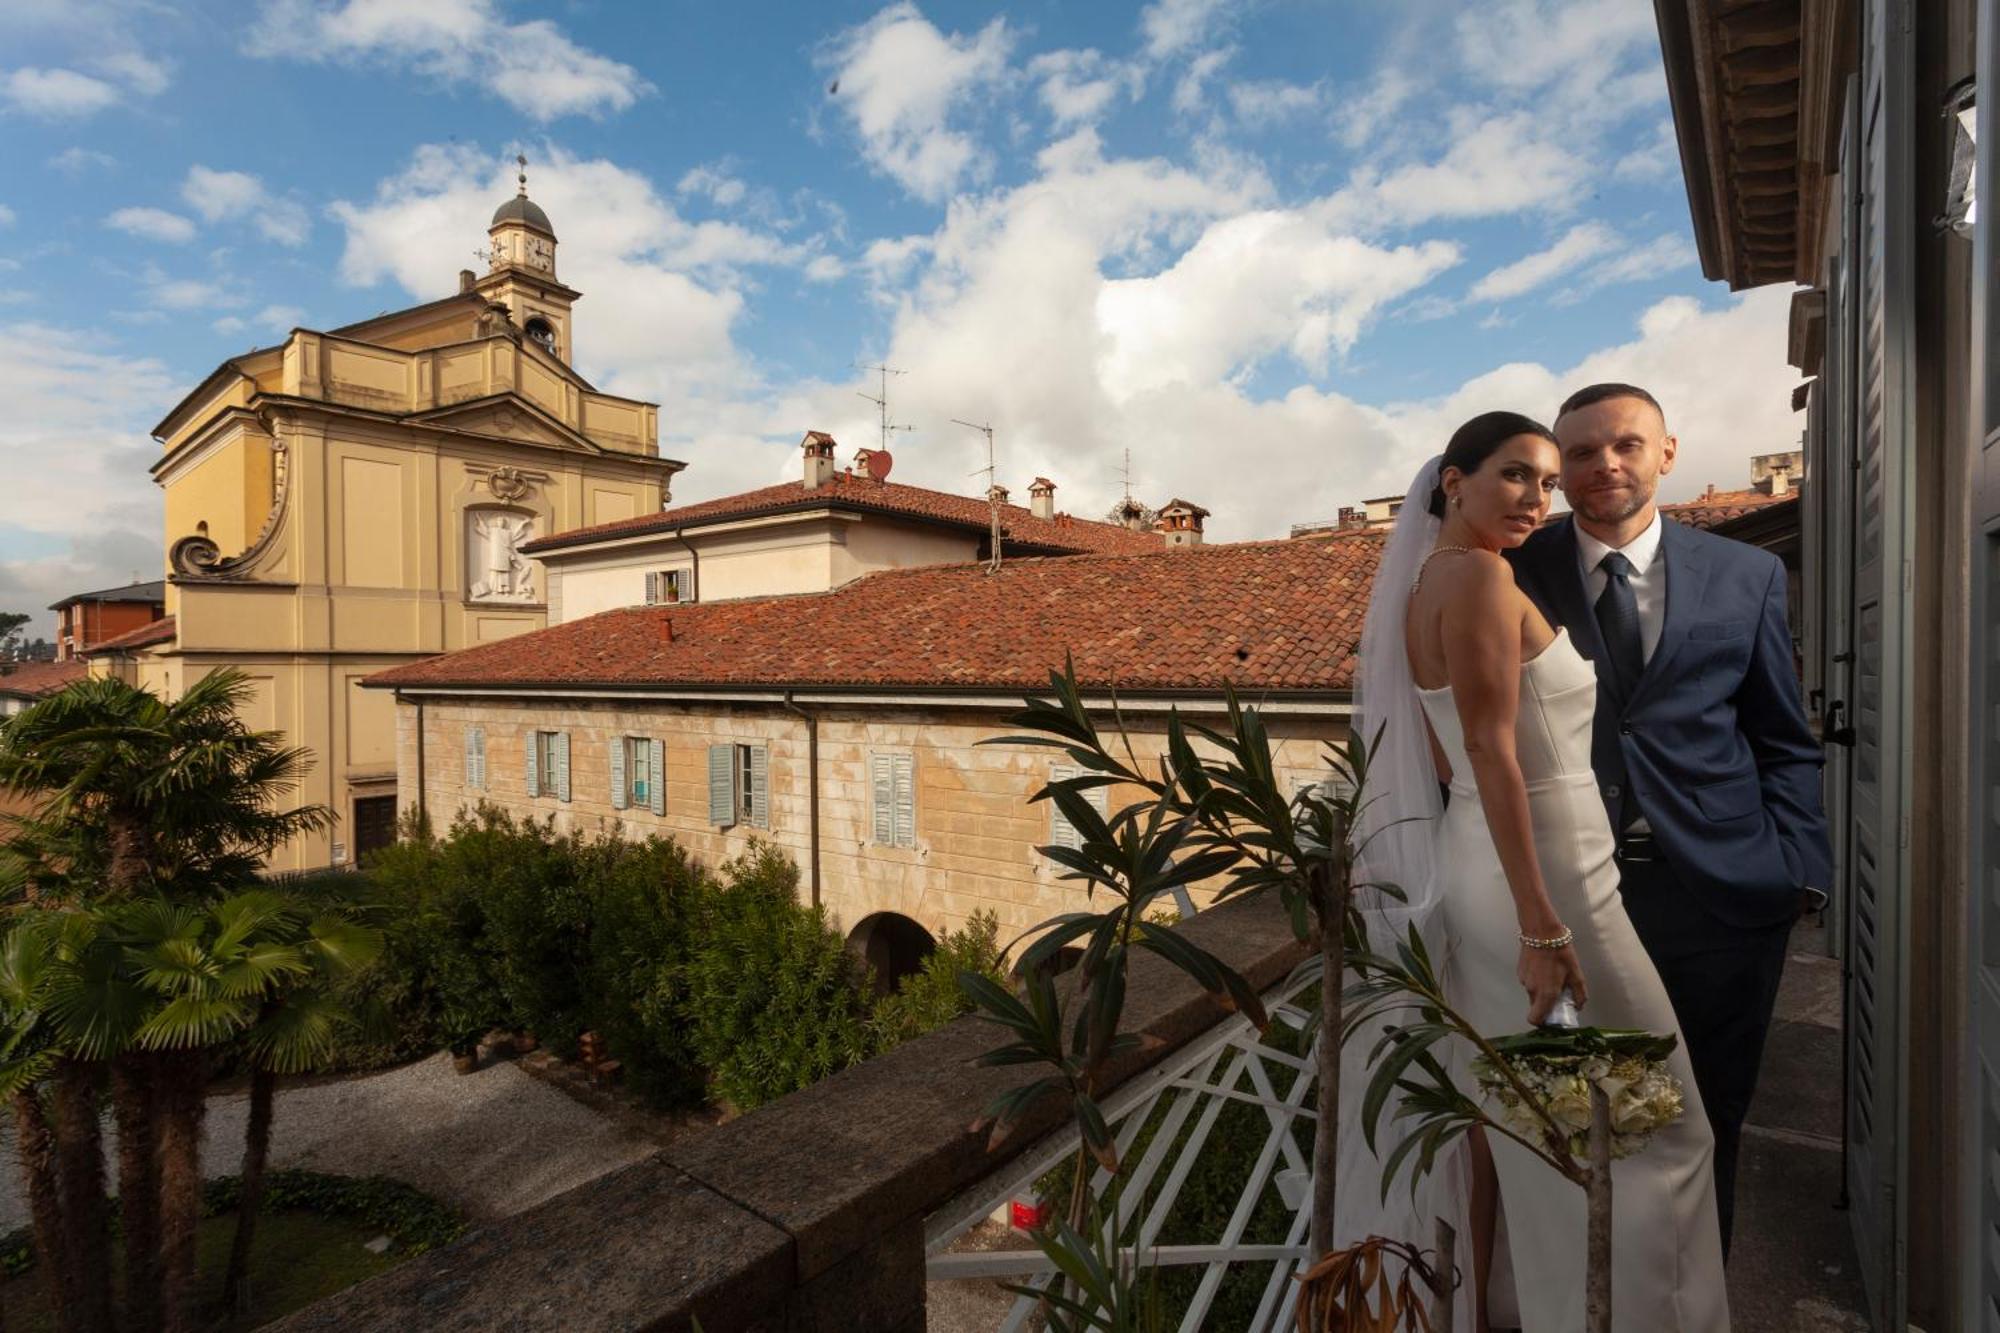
x: 1557, y: 1067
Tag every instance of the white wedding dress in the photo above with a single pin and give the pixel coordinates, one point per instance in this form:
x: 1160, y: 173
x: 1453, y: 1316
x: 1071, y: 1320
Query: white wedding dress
x: 1666, y: 1246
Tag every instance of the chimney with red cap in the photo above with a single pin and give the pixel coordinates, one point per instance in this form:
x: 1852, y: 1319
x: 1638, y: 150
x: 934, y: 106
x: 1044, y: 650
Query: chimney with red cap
x: 1042, y: 498
x: 819, y: 459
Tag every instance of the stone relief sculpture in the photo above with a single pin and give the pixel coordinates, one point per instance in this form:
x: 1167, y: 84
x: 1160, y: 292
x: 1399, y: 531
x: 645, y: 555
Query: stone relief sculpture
x: 499, y: 572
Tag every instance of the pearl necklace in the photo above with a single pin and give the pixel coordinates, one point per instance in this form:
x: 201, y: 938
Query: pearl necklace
x: 1436, y: 551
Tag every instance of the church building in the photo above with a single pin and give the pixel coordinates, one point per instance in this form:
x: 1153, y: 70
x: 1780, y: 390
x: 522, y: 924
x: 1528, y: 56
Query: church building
x: 358, y: 498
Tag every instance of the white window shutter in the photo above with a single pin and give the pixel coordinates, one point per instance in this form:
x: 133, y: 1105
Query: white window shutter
x: 906, y: 801
x: 474, y: 779
x: 479, y: 735
x: 561, y: 748
x: 722, y: 785
x: 760, y: 786
x: 652, y: 587
x: 621, y: 791
x: 1061, y: 832
x: 658, y: 791
x: 534, y: 770
x: 882, y: 780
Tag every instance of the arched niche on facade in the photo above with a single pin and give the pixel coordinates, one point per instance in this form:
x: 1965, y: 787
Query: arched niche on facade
x: 894, y: 946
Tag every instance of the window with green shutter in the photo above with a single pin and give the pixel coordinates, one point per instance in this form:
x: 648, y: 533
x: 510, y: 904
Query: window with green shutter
x: 475, y: 758
x: 548, y: 764
x: 722, y: 785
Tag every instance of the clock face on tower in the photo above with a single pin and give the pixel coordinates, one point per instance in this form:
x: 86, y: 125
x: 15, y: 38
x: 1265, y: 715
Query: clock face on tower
x: 541, y: 254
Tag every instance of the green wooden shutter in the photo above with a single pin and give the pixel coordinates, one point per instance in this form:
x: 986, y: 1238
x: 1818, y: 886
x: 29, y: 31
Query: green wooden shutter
x: 722, y: 785
x: 658, y: 754
x: 760, y: 786
x: 479, y: 733
x: 905, y: 789
x: 534, y: 763
x: 561, y: 749
x: 882, y: 782
x: 621, y: 791
x: 475, y: 758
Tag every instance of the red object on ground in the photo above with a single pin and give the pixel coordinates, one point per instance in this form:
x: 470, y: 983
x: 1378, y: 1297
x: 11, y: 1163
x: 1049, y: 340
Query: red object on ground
x: 1027, y: 1214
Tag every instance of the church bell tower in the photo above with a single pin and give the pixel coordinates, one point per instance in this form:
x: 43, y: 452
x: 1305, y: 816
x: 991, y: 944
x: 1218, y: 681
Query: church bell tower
x: 521, y: 272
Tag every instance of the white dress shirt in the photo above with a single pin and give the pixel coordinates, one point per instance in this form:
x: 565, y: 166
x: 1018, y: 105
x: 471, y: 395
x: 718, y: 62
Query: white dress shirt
x: 1648, y: 578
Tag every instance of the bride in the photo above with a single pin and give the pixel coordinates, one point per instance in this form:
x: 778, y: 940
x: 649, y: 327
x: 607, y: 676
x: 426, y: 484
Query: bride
x: 1474, y: 689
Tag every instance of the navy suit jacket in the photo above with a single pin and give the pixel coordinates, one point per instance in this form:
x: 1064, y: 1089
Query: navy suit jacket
x: 1713, y: 740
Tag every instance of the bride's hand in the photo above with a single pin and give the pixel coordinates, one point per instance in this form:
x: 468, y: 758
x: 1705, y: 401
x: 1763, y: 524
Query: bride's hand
x: 1544, y: 973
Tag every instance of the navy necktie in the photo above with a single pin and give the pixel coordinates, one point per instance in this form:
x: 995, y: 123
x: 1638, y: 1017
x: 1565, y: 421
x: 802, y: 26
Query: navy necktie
x: 1618, y: 620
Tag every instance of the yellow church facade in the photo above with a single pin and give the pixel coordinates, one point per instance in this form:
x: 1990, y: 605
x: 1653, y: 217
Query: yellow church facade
x: 357, y: 498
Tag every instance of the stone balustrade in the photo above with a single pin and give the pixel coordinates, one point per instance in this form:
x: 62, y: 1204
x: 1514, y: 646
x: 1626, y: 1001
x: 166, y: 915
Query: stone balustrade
x: 806, y: 1215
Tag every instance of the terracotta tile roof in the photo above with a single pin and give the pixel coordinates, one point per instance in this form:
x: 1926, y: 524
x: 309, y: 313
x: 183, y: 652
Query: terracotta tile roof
x: 1060, y: 535
x: 159, y: 631
x: 156, y: 591
x: 1262, y: 616
x: 1718, y: 507
x: 32, y: 680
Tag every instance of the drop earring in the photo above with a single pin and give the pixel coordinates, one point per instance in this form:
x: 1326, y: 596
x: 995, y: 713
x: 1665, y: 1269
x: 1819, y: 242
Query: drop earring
x: 1458, y: 502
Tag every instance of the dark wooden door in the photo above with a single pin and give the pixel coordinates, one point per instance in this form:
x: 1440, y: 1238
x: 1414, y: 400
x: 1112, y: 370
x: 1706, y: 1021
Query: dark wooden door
x: 374, y: 824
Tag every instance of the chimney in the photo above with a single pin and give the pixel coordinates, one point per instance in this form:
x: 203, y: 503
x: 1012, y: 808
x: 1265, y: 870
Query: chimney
x: 999, y: 493
x: 1132, y: 514
x: 819, y: 459
x: 1181, y: 521
x: 466, y: 277
x: 1781, y: 481
x: 1042, y: 498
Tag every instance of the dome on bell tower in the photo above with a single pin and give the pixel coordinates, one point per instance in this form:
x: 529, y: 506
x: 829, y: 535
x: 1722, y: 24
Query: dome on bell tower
x: 526, y: 211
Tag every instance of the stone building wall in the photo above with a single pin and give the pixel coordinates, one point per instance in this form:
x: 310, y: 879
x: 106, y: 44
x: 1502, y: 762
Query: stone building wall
x: 976, y: 831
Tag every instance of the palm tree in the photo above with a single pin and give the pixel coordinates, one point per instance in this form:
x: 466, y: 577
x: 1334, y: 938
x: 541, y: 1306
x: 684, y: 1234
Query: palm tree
x: 294, y: 1034
x: 138, y: 794
x: 28, y: 1054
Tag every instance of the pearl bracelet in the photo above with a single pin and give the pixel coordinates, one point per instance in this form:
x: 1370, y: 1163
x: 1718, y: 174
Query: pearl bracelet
x: 1562, y: 941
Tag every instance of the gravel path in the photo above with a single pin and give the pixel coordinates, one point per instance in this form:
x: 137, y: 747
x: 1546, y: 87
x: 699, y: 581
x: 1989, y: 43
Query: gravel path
x: 490, y: 1143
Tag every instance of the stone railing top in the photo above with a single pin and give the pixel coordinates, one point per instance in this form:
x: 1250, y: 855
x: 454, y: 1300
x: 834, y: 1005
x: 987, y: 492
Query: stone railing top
x: 730, y: 1226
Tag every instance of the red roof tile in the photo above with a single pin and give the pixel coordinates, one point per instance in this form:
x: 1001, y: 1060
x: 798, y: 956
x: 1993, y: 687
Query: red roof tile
x: 1059, y: 535
x: 159, y: 631
x: 32, y: 680
x: 1718, y: 507
x: 1261, y: 616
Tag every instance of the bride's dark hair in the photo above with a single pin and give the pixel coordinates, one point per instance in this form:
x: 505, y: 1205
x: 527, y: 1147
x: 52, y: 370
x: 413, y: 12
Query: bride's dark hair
x: 1474, y: 442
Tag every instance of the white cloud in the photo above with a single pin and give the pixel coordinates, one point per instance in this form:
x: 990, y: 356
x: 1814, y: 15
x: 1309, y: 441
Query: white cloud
x: 281, y: 318
x: 1079, y: 86
x: 1656, y: 258
x: 1527, y: 44
x: 136, y: 70
x: 531, y: 66
x: 1578, y: 246
x: 825, y: 268
x: 56, y: 94
x: 76, y: 161
x: 75, y: 451
x: 719, y: 187
x: 1192, y: 90
x: 7, y: 216
x: 1658, y: 159
x: 1496, y: 164
x: 190, y: 293
x: 1360, y: 117
x: 1263, y: 103
x: 219, y: 195
x: 153, y: 224
x: 899, y: 81
x: 1172, y: 26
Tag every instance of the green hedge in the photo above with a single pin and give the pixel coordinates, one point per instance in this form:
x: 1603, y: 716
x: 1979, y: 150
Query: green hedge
x: 410, y: 1217
x: 706, y: 985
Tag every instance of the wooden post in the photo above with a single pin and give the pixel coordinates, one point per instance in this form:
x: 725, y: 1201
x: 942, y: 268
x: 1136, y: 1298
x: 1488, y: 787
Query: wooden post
x: 1597, y: 1307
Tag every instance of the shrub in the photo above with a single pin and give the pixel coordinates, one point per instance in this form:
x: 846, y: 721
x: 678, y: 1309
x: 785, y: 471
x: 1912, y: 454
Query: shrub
x: 775, y: 1000
x: 645, y: 899
x: 932, y: 997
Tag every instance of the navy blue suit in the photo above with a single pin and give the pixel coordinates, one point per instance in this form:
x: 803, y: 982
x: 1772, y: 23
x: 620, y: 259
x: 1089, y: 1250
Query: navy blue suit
x: 1714, y: 748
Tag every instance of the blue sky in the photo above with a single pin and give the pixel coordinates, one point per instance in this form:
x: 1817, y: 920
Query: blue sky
x: 1276, y: 248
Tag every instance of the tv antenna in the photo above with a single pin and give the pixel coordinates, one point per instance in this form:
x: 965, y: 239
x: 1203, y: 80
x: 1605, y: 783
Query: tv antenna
x: 1128, y: 472
x: 881, y: 401
x: 991, y: 472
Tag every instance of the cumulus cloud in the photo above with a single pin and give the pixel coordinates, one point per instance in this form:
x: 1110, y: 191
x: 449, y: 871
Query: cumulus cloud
x: 531, y: 66
x: 719, y: 187
x: 220, y: 195
x: 1262, y: 103
x: 152, y: 224
x: 1080, y: 86
x: 81, y: 512
x: 77, y: 161
x: 1495, y: 165
x: 6, y: 216
x: 900, y: 82
x: 1170, y: 27
x: 56, y: 94
x: 1577, y: 246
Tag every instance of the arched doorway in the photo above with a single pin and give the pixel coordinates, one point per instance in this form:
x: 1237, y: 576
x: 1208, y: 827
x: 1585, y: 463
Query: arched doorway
x: 894, y: 946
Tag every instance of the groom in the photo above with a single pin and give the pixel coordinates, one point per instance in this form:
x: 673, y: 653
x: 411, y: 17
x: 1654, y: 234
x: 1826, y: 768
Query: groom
x: 1701, y: 748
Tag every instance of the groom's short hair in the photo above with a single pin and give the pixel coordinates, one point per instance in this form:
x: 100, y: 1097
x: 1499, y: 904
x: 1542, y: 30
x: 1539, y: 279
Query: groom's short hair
x: 1597, y: 393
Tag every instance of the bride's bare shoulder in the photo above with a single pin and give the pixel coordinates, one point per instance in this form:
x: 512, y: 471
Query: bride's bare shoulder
x: 1468, y: 573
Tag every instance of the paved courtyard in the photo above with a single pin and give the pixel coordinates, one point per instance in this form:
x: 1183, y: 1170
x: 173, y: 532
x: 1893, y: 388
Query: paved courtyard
x: 490, y: 1143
